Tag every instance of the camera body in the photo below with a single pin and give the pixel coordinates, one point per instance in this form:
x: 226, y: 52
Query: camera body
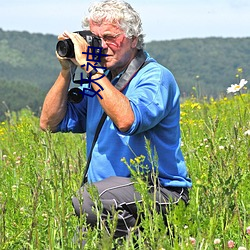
x: 65, y: 48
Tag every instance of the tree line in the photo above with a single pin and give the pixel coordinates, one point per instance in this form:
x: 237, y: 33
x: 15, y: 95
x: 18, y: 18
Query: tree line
x: 202, y: 67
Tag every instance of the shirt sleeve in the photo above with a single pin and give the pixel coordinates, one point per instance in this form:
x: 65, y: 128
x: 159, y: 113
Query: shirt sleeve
x: 153, y: 98
x: 75, y: 118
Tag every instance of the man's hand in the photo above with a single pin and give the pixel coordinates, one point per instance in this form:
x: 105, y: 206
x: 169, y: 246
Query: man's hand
x: 80, y: 45
x: 66, y: 63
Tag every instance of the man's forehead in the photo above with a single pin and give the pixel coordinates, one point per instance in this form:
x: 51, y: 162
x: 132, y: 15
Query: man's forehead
x: 105, y: 22
x: 105, y: 26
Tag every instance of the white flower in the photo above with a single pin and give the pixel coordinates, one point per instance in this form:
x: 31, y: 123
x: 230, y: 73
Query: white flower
x: 14, y: 188
x: 192, y: 240
x: 217, y: 241
x: 237, y: 87
x: 247, y: 133
x: 248, y: 230
x: 242, y: 248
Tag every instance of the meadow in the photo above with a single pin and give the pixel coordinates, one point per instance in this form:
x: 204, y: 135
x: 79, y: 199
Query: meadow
x: 40, y: 172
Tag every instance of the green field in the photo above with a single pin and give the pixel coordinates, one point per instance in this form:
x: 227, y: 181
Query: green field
x: 40, y: 172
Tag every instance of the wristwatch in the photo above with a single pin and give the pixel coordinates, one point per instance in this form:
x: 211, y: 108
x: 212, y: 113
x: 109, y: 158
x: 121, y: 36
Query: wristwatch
x: 95, y: 71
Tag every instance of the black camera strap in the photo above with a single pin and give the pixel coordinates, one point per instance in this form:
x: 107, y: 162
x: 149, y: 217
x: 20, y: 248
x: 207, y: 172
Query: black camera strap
x: 97, y: 132
x: 136, y: 64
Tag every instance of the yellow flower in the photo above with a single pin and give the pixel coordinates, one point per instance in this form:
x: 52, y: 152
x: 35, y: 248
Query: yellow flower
x: 138, y: 160
x: 240, y: 70
x: 132, y: 162
x: 195, y: 105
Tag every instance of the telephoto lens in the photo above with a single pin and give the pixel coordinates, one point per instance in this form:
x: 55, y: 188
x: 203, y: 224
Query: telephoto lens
x: 65, y: 48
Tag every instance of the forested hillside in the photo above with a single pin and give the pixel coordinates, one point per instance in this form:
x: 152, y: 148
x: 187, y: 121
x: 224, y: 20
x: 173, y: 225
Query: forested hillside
x: 28, y: 66
x: 209, y: 64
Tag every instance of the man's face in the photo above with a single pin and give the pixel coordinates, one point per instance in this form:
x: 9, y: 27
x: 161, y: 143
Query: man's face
x: 120, y: 49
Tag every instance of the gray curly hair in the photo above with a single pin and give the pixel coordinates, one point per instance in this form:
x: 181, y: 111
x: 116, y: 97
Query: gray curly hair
x: 120, y: 12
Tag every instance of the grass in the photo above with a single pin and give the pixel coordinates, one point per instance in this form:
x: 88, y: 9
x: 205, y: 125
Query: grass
x: 40, y: 172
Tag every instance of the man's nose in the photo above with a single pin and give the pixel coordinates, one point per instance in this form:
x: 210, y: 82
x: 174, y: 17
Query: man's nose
x: 104, y: 44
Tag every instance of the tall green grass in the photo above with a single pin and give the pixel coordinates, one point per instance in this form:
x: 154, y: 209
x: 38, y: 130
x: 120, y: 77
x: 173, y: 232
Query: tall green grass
x: 40, y: 172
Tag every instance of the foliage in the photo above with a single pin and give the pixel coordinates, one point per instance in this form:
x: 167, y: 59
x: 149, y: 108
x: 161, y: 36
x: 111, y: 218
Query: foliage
x: 208, y: 62
x: 28, y: 58
x: 14, y: 95
x: 40, y: 172
x: 28, y: 68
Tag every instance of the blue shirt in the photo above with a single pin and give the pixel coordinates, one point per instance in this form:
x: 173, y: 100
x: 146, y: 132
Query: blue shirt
x: 154, y: 97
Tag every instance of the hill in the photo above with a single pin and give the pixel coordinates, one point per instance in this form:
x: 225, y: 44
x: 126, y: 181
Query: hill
x: 28, y: 66
x: 209, y: 64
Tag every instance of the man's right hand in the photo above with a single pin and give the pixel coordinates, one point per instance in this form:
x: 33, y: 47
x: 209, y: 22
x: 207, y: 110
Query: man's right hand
x: 66, y: 63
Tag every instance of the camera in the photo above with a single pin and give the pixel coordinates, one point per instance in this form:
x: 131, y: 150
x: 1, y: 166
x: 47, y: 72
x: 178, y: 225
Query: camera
x: 65, y: 48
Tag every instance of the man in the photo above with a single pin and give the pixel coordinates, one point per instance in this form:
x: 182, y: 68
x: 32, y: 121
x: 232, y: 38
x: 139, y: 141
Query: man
x: 141, y: 100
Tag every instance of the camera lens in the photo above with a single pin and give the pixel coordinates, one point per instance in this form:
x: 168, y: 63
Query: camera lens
x: 75, y: 95
x: 65, y: 48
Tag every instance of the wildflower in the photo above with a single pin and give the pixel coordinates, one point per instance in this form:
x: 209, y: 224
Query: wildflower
x: 132, y: 162
x: 14, y: 188
x: 240, y: 70
x: 45, y: 216
x: 137, y: 159
x: 230, y: 244
x: 195, y: 106
x: 198, y: 182
x: 216, y: 241
x: 237, y: 87
x: 248, y: 230
x: 242, y: 248
x: 247, y: 133
x: 192, y: 240
x: 221, y: 147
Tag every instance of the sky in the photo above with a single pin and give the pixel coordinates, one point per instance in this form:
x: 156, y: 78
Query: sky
x: 161, y: 19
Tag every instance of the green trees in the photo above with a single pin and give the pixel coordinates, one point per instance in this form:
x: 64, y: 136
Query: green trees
x: 202, y: 67
x: 210, y: 63
x: 17, y: 95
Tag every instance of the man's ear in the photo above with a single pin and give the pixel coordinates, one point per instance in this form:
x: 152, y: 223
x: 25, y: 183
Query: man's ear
x: 134, y: 42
